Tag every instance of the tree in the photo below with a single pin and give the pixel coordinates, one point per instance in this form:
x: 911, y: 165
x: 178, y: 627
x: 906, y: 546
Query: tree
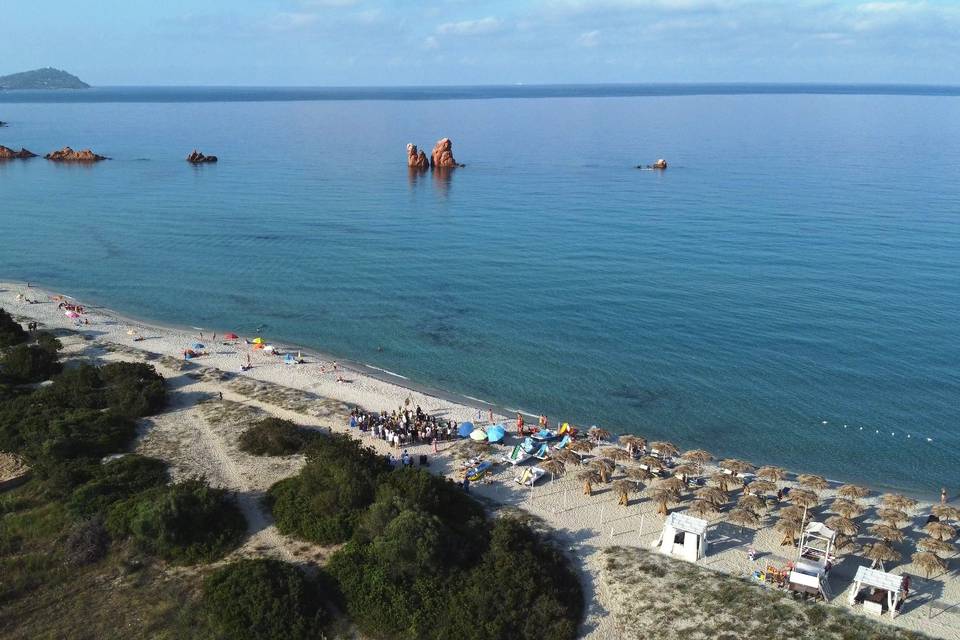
x: 11, y: 332
x: 25, y: 363
x: 275, y: 437
x: 261, y: 600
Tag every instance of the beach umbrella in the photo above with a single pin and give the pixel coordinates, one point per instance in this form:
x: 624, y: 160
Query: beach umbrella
x: 685, y: 470
x: 258, y: 340
x: 604, y: 467
x: 880, y: 552
x: 898, y: 501
x: 844, y: 526
x: 633, y: 443
x: 773, y: 474
x: 736, y: 466
x: 789, y: 527
x: 638, y: 474
x: 940, y: 530
x: 762, y: 486
x: 623, y: 489
x: 725, y: 480
x: 231, y: 336
x: 496, y: 433
x: 71, y: 314
x: 478, y: 435
x: 465, y: 429
x: 566, y: 456
x: 852, y: 491
x: 615, y: 453
x: 597, y: 434
x: 803, y: 498
x: 743, y: 518
x: 654, y: 464
x: 793, y: 512
x: 554, y: 466
x: 673, y: 483
x: 581, y: 446
x: 811, y: 481
x: 665, y: 449
x: 892, y: 516
x: 712, y: 494
x: 946, y: 512
x: 588, y: 477
x: 887, y: 533
x: 846, y: 508
x: 939, y: 547
x: 752, y: 503
x: 697, y: 456
x: 703, y: 509
x: 664, y: 497
x: 928, y: 562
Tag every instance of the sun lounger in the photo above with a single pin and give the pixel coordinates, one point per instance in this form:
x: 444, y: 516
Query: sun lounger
x: 530, y: 476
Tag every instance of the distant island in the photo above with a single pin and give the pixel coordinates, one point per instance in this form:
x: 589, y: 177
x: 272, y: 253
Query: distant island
x: 47, y: 78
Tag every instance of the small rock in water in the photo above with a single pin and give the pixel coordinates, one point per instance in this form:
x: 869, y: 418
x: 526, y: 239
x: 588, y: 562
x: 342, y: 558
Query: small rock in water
x: 198, y: 158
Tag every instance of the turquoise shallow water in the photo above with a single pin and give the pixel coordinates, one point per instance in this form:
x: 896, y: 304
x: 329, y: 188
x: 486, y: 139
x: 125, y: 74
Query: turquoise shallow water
x: 798, y: 262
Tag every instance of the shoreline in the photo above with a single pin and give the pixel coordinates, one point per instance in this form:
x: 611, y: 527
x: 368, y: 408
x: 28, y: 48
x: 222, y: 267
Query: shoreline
x: 462, y: 401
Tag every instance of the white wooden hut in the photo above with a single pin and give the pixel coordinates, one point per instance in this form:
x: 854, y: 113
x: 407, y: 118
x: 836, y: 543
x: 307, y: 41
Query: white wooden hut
x: 683, y: 537
x: 887, y: 586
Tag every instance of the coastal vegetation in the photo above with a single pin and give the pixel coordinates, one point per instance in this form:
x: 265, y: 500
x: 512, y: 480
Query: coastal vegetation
x: 46, y: 78
x: 422, y: 559
x: 275, y: 437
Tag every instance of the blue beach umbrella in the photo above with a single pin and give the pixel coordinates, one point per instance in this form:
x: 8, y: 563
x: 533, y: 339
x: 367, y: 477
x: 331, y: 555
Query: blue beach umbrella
x: 465, y: 430
x: 496, y: 433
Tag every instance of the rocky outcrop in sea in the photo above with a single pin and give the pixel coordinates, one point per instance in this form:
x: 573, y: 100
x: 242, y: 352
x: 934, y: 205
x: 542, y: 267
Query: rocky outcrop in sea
x: 9, y: 154
x: 69, y: 155
x: 198, y: 158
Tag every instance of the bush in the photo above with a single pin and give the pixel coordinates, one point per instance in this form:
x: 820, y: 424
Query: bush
x: 275, y: 437
x: 11, y: 332
x: 117, y: 480
x: 184, y: 523
x: 261, y: 600
x: 28, y: 363
x: 323, y: 503
x: 133, y: 389
x: 86, y: 543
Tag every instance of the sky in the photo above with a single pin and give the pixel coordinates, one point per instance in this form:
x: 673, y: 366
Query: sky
x: 461, y: 42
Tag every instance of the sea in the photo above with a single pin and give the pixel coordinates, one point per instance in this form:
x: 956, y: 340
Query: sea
x: 787, y: 291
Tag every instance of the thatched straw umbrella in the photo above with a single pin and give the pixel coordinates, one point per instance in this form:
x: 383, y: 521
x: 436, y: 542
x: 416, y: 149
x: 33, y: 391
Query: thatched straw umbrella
x: 743, y: 518
x: 893, y: 517
x: 712, y: 494
x: 897, y: 501
x: 615, y: 453
x: 588, y: 477
x: 685, y: 470
x: 811, y: 481
x: 803, y: 498
x: 771, y: 473
x: 758, y: 487
x: 725, y: 480
x: 623, y: 489
x: 664, y: 449
x: 887, y: 533
x: 736, y: 466
x: 673, y: 483
x: 929, y: 563
x: 565, y: 456
x: 939, y: 547
x: 654, y: 464
x: 633, y: 444
x: 553, y: 466
x: 697, y: 456
x: 880, y: 552
x: 844, y: 526
x: 580, y: 446
x: 597, y: 434
x: 946, y: 512
x: 663, y: 496
x: 852, y: 491
x: 846, y: 508
x: 752, y: 503
x: 604, y: 467
x: 940, y: 530
x: 845, y: 544
x: 792, y: 512
x: 790, y: 528
x: 638, y: 474
x: 703, y: 509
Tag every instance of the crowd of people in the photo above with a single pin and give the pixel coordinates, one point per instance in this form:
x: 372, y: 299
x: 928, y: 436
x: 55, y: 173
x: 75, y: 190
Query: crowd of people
x: 403, y: 426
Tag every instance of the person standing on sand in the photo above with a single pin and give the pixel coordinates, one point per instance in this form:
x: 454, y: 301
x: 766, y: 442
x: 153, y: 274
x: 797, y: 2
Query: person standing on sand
x: 543, y: 422
x: 519, y: 425
x: 491, y: 416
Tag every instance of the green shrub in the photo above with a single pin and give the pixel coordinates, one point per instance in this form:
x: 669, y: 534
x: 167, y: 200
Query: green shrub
x: 116, y: 480
x: 25, y: 363
x: 133, y: 389
x: 323, y: 503
x: 275, y: 437
x: 49, y: 342
x: 261, y: 600
x: 87, y: 542
x: 11, y: 332
x: 184, y: 523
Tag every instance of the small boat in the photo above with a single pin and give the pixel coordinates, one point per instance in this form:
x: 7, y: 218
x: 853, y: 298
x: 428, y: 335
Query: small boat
x: 517, y: 455
x: 542, y: 452
x: 530, y: 476
x: 529, y: 445
x: 477, y: 472
x: 543, y: 435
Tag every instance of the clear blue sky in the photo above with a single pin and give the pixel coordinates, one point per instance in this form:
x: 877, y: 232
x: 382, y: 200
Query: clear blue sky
x: 410, y: 42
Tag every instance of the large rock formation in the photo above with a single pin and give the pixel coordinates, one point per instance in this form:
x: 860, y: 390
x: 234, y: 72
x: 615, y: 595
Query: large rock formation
x: 69, y: 155
x: 198, y: 158
x: 10, y: 154
x: 442, y: 156
x: 417, y: 159
x: 660, y: 164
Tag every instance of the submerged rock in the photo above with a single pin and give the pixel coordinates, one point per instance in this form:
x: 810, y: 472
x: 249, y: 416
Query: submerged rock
x: 198, y: 158
x: 10, y: 154
x: 442, y: 156
x: 417, y: 159
x: 69, y: 155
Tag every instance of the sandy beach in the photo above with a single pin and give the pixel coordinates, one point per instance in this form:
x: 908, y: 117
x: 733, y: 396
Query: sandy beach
x: 198, y: 434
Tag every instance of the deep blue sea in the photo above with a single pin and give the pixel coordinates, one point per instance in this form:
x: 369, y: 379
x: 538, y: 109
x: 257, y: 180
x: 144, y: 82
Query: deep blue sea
x: 787, y: 291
